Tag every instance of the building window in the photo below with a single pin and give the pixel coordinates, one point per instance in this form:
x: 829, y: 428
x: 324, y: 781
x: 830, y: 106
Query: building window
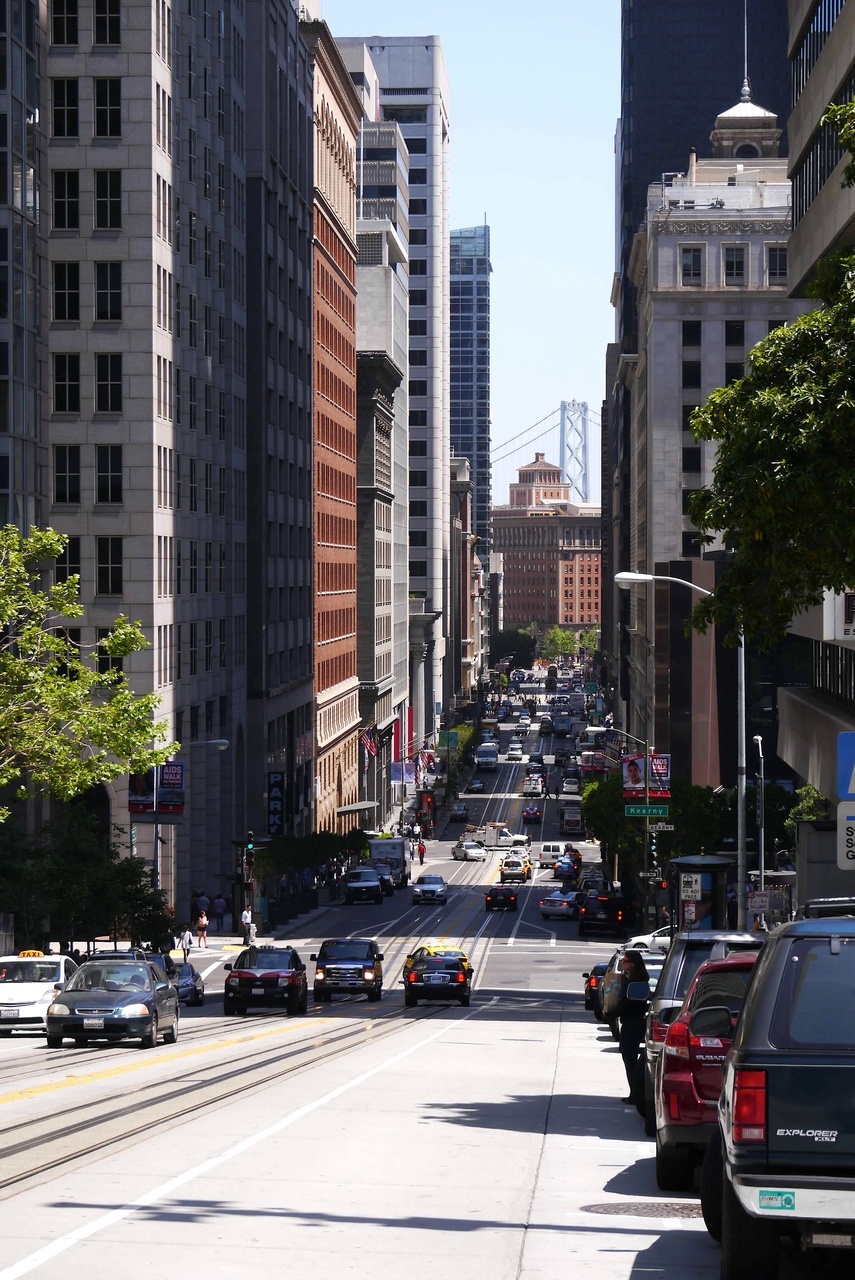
x: 692, y: 458
x: 68, y: 564
x: 107, y: 22
x: 734, y: 333
x: 691, y: 374
x: 687, y: 497
x: 418, y: 267
x: 66, y: 200
x: 418, y: 177
x: 418, y: 235
x: 776, y: 264
x: 108, y: 383
x: 418, y: 207
x: 418, y: 388
x: 194, y: 485
x: 733, y: 371
x: 418, y: 538
x: 691, y: 546
x: 734, y: 264
x: 194, y: 664
x: 66, y: 473
x: 691, y: 333
x: 418, y: 568
x: 418, y: 479
x: 66, y: 383
x: 108, y: 566
x: 688, y: 410
x: 418, y: 297
x: 418, y: 358
x: 418, y: 448
x: 66, y: 291
x: 209, y: 665
x: 108, y: 473
x: 418, y: 328
x: 108, y: 199
x: 108, y: 290
x: 65, y: 109
x: 106, y: 661
x: 108, y: 107
x: 63, y: 27
x: 194, y: 568
x: 418, y: 508
x: 690, y: 257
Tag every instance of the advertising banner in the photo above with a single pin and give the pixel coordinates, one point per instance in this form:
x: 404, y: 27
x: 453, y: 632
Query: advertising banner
x: 276, y: 804
x: 660, y: 776
x: 141, y: 792
x: 659, y: 780
x: 170, y: 789
x: 632, y: 772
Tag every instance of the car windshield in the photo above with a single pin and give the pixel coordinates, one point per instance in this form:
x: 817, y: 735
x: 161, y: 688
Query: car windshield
x: 271, y: 960
x: 361, y: 875
x: 111, y: 977
x: 30, y: 971
x: 344, y: 951
x: 816, y: 1002
x: 430, y: 880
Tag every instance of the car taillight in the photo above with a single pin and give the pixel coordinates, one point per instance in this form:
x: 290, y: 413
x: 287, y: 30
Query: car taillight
x: 749, y: 1106
x: 461, y: 977
x: 658, y: 1030
x: 677, y: 1040
x: 412, y: 976
x: 593, y: 982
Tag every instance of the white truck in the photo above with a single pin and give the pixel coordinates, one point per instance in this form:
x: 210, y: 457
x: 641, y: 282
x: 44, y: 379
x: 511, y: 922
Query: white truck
x: 393, y: 850
x: 487, y: 755
x: 496, y: 836
x: 533, y: 785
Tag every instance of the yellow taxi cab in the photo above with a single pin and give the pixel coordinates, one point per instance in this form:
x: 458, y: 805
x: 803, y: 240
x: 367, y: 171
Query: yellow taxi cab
x: 28, y: 984
x: 436, y: 950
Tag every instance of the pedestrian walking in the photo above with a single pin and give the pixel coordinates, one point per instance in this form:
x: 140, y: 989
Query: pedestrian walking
x: 246, y: 921
x: 632, y: 1016
x: 204, y: 902
x: 417, y: 831
x: 202, y: 929
x: 422, y: 852
x: 219, y: 909
x: 412, y: 851
x: 185, y: 941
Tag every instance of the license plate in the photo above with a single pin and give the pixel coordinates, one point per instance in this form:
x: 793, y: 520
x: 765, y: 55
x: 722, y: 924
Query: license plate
x: 93, y: 1024
x: 9, y: 1013
x: 258, y: 991
x: 435, y: 978
x: 599, y: 915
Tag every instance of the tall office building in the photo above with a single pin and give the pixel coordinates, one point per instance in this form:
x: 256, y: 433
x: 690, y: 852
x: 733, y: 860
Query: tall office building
x: 470, y: 367
x: 414, y: 94
x: 337, y: 115
x: 280, y: 735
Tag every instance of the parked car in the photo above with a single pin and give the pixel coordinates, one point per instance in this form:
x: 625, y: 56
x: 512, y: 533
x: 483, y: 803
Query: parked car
x: 348, y: 966
x: 688, y: 1070
x: 458, y: 813
x: 115, y: 999
x: 686, y: 954
x: 593, y: 990
x: 500, y: 897
x: 190, y: 983
x: 611, y: 985
x: 362, y: 884
x: 437, y: 977
x: 468, y: 851
x: 561, y: 904
x: 266, y: 976
x: 783, y: 1160
x: 429, y: 888
x: 659, y: 940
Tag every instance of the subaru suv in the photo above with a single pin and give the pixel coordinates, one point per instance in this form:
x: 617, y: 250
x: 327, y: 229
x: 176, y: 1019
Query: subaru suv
x: 783, y: 1161
x: 687, y: 953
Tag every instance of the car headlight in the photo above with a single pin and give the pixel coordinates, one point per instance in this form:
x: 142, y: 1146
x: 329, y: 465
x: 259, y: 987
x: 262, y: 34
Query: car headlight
x: 368, y: 975
x: 46, y: 998
x: 319, y: 975
x: 59, y: 1010
x: 232, y: 981
x: 134, y: 1010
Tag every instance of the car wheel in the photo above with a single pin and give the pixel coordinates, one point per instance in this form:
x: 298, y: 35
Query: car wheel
x: 171, y: 1036
x: 749, y: 1246
x: 712, y: 1172
x: 410, y: 1000
x: 464, y: 1001
x: 304, y: 1002
x: 54, y: 1042
x: 149, y: 1040
x: 487, y: 907
x: 674, y: 1167
x: 649, y: 1106
x: 373, y: 996
x: 328, y: 997
x: 379, y: 898
x: 317, y: 996
x: 201, y: 999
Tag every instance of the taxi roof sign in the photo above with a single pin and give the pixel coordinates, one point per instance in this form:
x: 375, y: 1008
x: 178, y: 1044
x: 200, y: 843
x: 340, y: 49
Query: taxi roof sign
x: 30, y: 955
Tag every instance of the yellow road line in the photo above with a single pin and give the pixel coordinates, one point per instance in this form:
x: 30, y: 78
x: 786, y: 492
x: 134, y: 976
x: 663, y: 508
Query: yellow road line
x: 69, y: 1082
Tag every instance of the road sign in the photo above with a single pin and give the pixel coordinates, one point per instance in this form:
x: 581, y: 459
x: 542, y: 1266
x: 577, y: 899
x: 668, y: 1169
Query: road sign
x: 846, y: 766
x: 846, y: 832
x: 690, y: 887
x: 648, y: 875
x: 758, y: 902
x: 590, y: 687
x: 662, y: 826
x: 645, y: 811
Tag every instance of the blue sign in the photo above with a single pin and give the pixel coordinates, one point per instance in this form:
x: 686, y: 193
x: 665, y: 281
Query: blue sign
x: 846, y: 766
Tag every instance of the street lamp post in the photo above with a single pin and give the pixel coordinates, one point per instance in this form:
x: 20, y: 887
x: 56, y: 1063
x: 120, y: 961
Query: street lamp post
x: 761, y: 816
x: 625, y: 580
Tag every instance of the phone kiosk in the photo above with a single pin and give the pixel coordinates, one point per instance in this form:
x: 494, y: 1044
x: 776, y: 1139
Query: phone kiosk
x: 698, y: 890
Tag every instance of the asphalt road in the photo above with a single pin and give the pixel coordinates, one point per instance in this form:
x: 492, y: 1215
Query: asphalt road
x: 367, y: 1141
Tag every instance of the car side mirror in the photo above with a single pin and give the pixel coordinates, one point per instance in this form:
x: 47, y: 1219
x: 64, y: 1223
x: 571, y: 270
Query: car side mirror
x: 638, y: 991
x: 379, y: 955
x: 313, y: 956
x: 227, y: 966
x: 586, y: 975
x: 716, y: 1020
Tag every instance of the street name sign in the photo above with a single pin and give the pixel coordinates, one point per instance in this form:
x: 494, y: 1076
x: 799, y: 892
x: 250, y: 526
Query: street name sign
x: 645, y: 811
x: 662, y: 826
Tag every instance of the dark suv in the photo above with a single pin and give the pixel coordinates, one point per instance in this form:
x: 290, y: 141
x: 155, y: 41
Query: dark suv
x: 265, y: 976
x: 362, y: 884
x: 685, y: 956
x: 348, y: 966
x: 783, y: 1161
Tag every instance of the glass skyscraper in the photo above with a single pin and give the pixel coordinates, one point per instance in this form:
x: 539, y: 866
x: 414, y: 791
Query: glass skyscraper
x: 470, y: 366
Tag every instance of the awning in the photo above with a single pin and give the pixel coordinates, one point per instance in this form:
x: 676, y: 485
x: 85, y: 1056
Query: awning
x: 357, y: 808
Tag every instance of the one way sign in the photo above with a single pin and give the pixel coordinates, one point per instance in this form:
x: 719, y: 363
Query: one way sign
x: 846, y: 766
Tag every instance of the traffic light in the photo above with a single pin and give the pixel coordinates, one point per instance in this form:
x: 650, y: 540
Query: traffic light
x: 250, y: 850
x: 653, y: 860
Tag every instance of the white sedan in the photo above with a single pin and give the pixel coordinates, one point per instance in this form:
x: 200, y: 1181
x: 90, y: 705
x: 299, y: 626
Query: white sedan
x: 659, y: 940
x: 469, y: 851
x: 28, y: 985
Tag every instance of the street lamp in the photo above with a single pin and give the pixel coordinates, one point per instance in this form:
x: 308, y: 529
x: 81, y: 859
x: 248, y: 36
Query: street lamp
x: 761, y: 816
x: 627, y: 578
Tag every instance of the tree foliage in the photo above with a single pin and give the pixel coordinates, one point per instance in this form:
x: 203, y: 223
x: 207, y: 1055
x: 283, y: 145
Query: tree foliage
x: 588, y: 639
x: 783, y: 485
x: 64, y: 725
x: 556, y: 641
x: 810, y: 806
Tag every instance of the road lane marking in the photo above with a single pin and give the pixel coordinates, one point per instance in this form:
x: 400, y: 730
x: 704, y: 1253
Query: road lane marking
x: 57, y: 1247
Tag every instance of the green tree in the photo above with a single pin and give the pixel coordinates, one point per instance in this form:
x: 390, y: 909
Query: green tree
x: 557, y: 640
x: 64, y: 725
x: 811, y: 805
x: 783, y: 485
x: 588, y: 639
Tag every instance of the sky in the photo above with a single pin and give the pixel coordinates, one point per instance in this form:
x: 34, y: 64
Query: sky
x: 535, y: 96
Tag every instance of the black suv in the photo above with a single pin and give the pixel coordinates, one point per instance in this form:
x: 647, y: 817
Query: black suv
x: 783, y: 1162
x: 266, y: 976
x: 685, y: 956
x: 348, y: 966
